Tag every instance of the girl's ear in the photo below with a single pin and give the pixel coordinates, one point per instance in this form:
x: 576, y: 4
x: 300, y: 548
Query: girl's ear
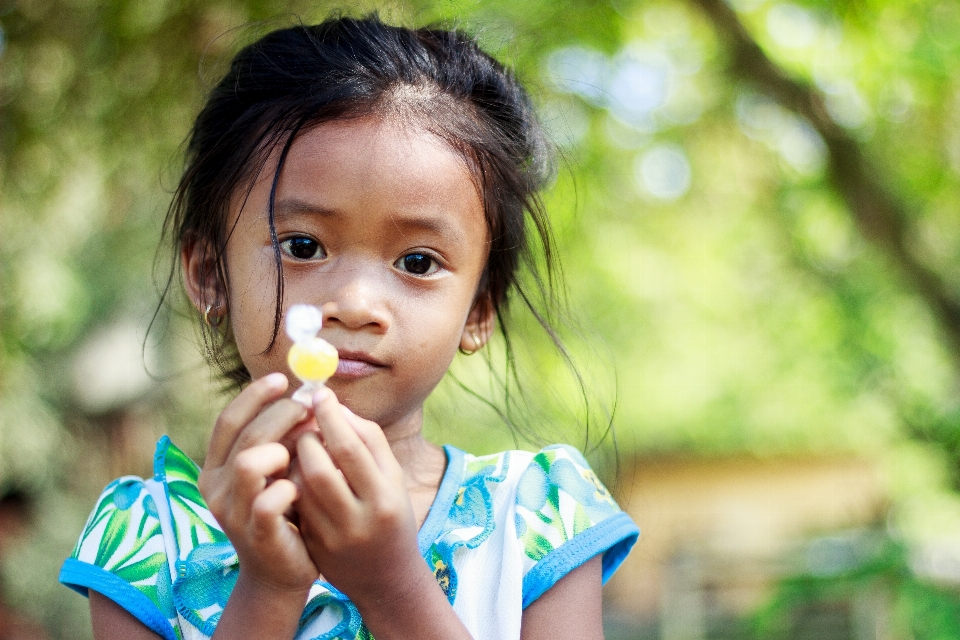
x: 201, y: 278
x: 479, y: 326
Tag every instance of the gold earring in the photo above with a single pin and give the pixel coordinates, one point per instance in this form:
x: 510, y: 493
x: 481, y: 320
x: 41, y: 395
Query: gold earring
x: 476, y: 345
x: 206, y: 318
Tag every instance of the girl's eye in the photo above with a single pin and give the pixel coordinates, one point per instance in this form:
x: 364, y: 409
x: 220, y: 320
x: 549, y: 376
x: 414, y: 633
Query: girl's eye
x: 302, y: 248
x: 418, y: 264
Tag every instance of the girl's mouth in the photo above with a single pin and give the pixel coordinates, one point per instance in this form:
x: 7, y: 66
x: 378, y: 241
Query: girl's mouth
x: 353, y: 365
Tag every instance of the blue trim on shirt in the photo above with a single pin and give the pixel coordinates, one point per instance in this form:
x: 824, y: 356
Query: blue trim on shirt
x: 81, y: 577
x: 449, y: 485
x: 613, y: 537
x: 159, y: 458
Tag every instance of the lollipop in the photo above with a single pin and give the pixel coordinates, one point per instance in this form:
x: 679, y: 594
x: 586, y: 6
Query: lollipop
x: 312, y: 359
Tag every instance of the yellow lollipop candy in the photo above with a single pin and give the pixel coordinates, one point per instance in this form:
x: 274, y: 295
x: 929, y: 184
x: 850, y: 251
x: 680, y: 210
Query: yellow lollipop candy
x: 313, y: 360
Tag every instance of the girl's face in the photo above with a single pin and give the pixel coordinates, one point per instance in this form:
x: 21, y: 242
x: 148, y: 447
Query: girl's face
x: 382, y: 227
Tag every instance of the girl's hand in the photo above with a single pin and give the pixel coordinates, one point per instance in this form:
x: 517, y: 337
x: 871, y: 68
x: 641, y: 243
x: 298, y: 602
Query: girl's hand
x: 238, y: 483
x: 355, y: 513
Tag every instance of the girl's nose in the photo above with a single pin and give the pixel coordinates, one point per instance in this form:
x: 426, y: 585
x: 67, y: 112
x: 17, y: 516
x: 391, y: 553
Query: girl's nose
x: 356, y: 304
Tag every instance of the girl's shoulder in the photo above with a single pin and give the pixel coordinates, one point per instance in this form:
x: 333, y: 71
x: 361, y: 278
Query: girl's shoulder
x: 556, y: 477
x: 548, y: 508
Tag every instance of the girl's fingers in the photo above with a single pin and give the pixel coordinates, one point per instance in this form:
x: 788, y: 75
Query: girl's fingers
x: 269, y: 506
x: 289, y: 439
x: 271, y: 425
x: 239, y: 412
x: 348, y: 452
x: 294, y: 474
x: 372, y: 436
x: 321, y: 479
x: 254, y: 465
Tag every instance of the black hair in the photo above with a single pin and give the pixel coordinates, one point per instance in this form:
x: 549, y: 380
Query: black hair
x: 301, y: 76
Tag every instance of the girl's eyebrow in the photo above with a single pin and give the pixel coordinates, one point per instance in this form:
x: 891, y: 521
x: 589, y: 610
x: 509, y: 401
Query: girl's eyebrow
x: 295, y: 206
x: 439, y: 225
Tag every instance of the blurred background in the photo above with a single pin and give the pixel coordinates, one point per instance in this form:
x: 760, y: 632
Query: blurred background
x: 757, y: 213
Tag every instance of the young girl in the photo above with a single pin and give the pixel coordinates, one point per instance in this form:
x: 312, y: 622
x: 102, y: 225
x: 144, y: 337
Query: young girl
x: 386, y: 176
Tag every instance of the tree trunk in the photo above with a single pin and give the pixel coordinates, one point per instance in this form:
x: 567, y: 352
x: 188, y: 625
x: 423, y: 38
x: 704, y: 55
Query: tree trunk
x: 879, y: 214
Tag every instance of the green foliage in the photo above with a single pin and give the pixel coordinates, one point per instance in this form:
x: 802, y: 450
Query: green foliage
x: 880, y: 573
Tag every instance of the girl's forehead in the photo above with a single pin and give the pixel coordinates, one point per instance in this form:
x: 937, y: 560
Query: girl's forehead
x: 372, y: 163
x: 369, y: 156
x: 375, y: 145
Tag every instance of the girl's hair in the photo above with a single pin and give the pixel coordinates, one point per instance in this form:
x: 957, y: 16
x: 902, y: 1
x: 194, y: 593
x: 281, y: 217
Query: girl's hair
x: 298, y: 77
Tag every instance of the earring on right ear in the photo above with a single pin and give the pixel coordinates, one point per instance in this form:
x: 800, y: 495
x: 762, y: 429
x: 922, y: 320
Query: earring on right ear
x: 217, y: 321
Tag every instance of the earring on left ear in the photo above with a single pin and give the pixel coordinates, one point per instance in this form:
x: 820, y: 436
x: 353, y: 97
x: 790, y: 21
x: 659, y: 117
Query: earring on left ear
x: 476, y: 345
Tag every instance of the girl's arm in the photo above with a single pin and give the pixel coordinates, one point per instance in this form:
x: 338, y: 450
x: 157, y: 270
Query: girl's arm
x: 569, y: 609
x: 113, y: 622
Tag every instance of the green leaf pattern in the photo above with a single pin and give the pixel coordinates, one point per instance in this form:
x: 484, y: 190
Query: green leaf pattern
x: 558, y: 497
x: 123, y: 536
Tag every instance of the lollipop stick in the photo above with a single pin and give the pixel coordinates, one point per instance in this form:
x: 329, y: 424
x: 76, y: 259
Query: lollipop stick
x: 304, y: 395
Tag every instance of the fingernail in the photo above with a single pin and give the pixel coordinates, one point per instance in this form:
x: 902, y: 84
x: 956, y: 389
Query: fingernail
x: 275, y: 380
x: 320, y: 395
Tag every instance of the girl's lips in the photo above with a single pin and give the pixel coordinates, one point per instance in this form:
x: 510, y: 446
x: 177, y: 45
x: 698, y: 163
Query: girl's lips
x: 355, y: 365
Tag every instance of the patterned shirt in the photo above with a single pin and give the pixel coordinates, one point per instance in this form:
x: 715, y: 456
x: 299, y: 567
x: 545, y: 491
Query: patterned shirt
x: 502, y: 530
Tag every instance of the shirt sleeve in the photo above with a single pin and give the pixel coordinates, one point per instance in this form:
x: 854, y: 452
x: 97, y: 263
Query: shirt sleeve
x: 564, y: 517
x: 121, y: 555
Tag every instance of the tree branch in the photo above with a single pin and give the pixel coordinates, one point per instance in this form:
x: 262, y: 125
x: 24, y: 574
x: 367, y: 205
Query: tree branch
x: 878, y: 213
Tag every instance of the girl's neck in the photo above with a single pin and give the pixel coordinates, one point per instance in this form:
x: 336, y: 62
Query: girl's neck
x: 423, y: 462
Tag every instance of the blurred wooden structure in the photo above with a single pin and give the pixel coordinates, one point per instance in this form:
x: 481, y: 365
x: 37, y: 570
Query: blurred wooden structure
x: 718, y: 532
